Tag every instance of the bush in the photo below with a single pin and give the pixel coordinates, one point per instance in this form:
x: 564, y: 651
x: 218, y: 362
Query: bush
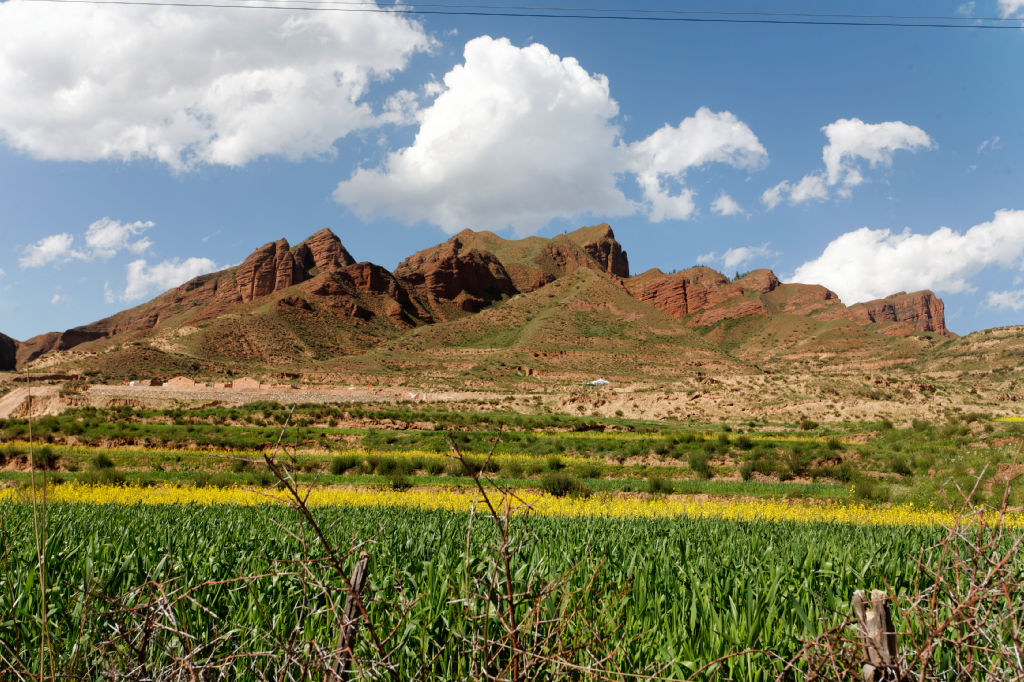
x: 45, y: 459
x: 899, y: 464
x: 866, y: 488
x: 798, y: 461
x: 656, y: 485
x: 699, y: 462
x: 746, y: 470
x: 341, y: 464
x: 101, y: 461
x: 102, y: 477
x: 588, y: 470
x: 834, y: 444
x: 561, y: 484
x: 844, y: 472
x: 555, y: 463
x: 744, y: 443
x: 399, y: 482
x: 808, y: 424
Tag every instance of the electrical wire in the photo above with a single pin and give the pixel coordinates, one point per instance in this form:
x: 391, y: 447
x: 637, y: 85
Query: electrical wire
x: 550, y: 13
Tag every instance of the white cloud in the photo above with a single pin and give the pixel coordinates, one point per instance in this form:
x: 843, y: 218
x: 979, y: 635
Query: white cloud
x: 707, y: 257
x: 1010, y: 8
x: 866, y: 264
x: 520, y: 136
x: 1006, y: 300
x: 59, y: 297
x: 56, y: 247
x: 741, y: 255
x: 726, y: 205
x: 810, y: 187
x: 773, y: 196
x: 143, y: 279
x: 851, y: 141
x: 666, y: 155
x: 188, y: 87
x: 991, y: 143
x: 2, y: 273
x: 106, y: 237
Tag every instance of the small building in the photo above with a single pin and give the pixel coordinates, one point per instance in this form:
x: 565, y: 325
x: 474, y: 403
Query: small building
x: 245, y: 384
x: 181, y: 382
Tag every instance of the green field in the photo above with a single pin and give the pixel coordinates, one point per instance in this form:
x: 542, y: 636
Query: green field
x: 662, y: 597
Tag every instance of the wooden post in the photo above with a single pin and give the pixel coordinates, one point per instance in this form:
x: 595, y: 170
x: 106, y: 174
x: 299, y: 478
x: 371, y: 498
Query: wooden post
x: 878, y: 635
x: 350, y: 618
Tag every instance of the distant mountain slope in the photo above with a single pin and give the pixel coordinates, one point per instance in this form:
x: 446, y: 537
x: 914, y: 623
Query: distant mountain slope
x: 701, y: 296
x: 562, y: 304
x: 584, y: 323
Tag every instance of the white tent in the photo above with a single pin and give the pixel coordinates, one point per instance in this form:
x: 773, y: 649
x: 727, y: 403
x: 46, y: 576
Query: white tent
x: 598, y: 382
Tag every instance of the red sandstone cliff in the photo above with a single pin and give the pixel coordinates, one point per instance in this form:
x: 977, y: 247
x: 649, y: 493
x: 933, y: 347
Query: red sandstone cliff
x: 921, y: 311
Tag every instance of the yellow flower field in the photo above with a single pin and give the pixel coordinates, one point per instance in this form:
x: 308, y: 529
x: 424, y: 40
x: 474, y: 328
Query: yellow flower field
x: 613, y: 506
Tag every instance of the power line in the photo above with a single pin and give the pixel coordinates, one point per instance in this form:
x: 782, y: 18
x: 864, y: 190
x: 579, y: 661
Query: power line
x: 558, y: 13
x: 619, y: 10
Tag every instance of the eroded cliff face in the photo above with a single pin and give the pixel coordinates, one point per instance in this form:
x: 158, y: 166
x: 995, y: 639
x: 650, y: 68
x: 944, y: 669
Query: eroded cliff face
x: 269, y: 269
x: 451, y: 275
x: 8, y: 353
x: 689, y: 292
x: 702, y: 296
x: 921, y: 311
x: 321, y: 252
x: 598, y: 242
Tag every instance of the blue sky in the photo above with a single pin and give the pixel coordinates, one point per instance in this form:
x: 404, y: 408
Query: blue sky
x: 140, y: 145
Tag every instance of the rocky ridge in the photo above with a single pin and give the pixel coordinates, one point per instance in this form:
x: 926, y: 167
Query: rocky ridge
x: 316, y: 288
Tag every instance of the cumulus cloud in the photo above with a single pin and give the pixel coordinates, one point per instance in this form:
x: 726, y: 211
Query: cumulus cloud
x: 521, y: 136
x: 52, y: 249
x: 517, y: 137
x: 1006, y: 300
x: 1011, y: 8
x: 667, y: 154
x: 92, y: 82
x: 103, y: 239
x: 851, y: 144
x: 59, y: 297
x: 810, y: 187
x: 726, y: 205
x: 866, y: 264
x: 740, y: 255
x: 851, y: 139
x: 144, y: 280
x: 106, y: 237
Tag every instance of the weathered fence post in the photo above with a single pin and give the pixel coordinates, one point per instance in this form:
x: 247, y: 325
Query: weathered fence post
x: 350, y: 618
x: 878, y: 635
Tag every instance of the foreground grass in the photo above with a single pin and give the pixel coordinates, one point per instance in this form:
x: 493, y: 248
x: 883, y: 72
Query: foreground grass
x: 659, y: 595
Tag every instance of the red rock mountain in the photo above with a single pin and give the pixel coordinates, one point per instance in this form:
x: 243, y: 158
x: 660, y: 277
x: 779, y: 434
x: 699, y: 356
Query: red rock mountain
x: 314, y: 299
x: 701, y: 296
x: 920, y: 311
